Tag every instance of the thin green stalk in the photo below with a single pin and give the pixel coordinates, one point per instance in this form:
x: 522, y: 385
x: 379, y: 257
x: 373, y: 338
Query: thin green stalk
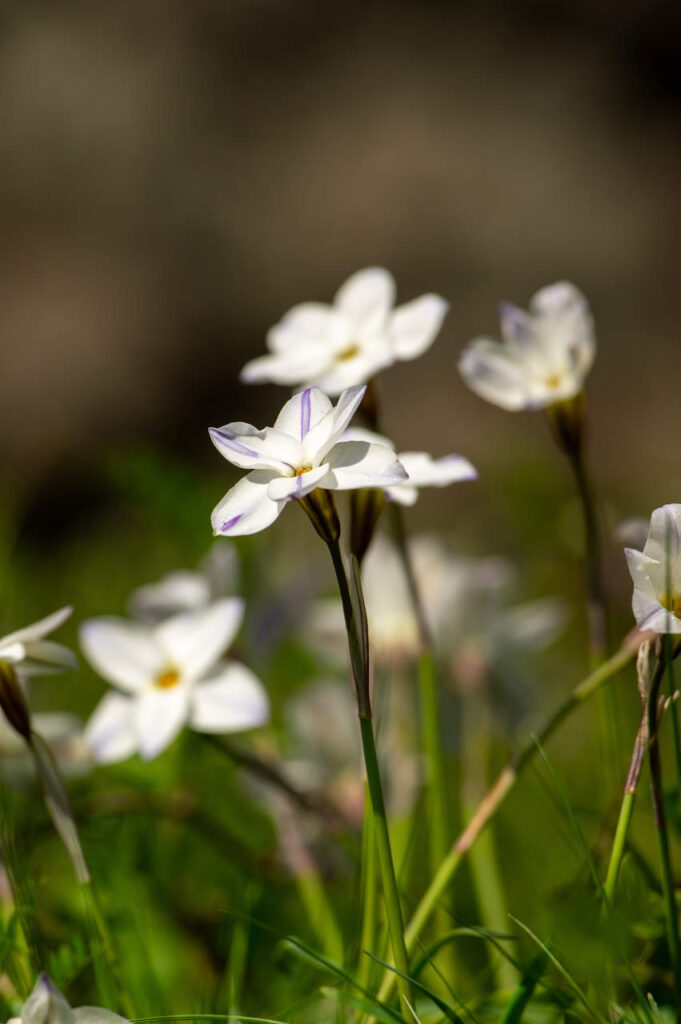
x: 640, y: 746
x: 438, y: 808
x: 369, y: 905
x: 355, y: 622
x: 525, y: 990
x: 660, y: 816
x: 673, y: 709
x: 495, y: 797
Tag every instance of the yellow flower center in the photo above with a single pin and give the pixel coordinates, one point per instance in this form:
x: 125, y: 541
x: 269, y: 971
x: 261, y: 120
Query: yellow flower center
x: 672, y: 602
x: 349, y: 353
x: 299, y: 472
x: 167, y: 679
x: 554, y: 381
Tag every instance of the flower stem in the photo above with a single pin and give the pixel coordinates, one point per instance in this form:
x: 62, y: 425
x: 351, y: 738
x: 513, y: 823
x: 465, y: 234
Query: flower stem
x: 673, y: 710
x: 500, y: 789
x: 660, y: 817
x: 369, y: 882
x: 355, y: 623
x: 438, y: 808
x: 627, y: 806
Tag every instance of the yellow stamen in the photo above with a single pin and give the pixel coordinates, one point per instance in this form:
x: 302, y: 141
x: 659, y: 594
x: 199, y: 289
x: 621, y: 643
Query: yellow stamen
x: 554, y: 381
x: 349, y: 353
x: 167, y: 679
x: 672, y: 603
x: 299, y: 472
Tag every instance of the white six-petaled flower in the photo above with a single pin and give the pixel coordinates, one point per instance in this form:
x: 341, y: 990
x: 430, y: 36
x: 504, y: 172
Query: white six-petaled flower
x: 656, y: 572
x: 337, y: 346
x: 545, y: 355
x: 302, y: 451
x: 31, y: 654
x: 421, y: 468
x: 47, y: 1005
x: 171, y: 674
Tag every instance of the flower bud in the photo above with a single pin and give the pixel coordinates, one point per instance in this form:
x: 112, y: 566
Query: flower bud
x: 321, y: 510
x: 13, y: 702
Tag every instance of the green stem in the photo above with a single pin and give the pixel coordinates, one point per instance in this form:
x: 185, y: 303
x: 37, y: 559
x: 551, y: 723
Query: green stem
x: 525, y: 990
x: 494, y: 798
x: 674, y: 711
x: 618, y: 846
x: 369, y: 883
x: 355, y: 623
x: 438, y: 808
x: 660, y: 816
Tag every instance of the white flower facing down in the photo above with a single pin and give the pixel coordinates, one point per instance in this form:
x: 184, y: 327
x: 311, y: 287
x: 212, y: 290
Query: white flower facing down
x: 421, y: 468
x: 545, y: 355
x: 170, y: 675
x: 47, y: 1005
x: 31, y: 654
x: 302, y: 451
x: 346, y: 343
x: 656, y: 572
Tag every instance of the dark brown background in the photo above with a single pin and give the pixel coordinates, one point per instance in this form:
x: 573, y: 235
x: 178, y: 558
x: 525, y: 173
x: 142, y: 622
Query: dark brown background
x: 174, y: 174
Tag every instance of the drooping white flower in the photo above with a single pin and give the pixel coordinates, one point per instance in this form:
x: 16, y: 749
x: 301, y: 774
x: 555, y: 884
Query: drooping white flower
x: 302, y: 451
x: 346, y: 343
x: 421, y: 468
x: 170, y: 674
x: 656, y: 572
x: 545, y: 355
x: 186, y: 590
x: 31, y: 654
x: 47, y: 1005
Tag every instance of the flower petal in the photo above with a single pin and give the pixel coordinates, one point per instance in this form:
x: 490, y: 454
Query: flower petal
x: 122, y: 652
x: 40, y: 629
x: 248, y: 448
x: 414, y: 325
x: 308, y: 325
x: 642, y: 567
x: 158, y: 716
x: 177, y: 591
x: 302, y: 413
x: 46, y: 1005
x: 300, y: 364
x: 328, y: 430
x: 42, y: 657
x: 425, y: 471
x: 110, y: 733
x: 563, y: 316
x: 285, y: 487
x: 234, y: 699
x: 357, y: 464
x: 664, y: 536
x: 493, y: 374
x: 367, y: 297
x: 246, y: 508
x: 97, y: 1015
x: 194, y: 641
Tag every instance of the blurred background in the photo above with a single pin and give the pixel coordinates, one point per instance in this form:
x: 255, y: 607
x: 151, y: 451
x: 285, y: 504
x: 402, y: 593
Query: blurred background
x: 176, y: 174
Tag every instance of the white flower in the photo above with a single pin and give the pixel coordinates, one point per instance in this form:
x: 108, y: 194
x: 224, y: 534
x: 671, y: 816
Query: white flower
x: 171, y: 674
x: 656, y: 572
x: 46, y: 1005
x: 346, y: 343
x: 421, y: 468
x: 301, y: 452
x: 545, y: 355
x: 28, y: 651
x: 186, y: 590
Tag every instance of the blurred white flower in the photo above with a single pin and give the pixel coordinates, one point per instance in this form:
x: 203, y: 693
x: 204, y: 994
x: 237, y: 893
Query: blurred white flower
x: 171, y: 675
x: 346, y: 343
x: 656, y: 572
x: 46, y: 1005
x: 421, y: 468
x: 30, y: 654
x: 545, y: 355
x: 185, y: 590
x: 463, y: 599
x: 301, y: 452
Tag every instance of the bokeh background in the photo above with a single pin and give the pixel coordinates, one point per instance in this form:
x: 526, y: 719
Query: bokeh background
x: 175, y: 174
